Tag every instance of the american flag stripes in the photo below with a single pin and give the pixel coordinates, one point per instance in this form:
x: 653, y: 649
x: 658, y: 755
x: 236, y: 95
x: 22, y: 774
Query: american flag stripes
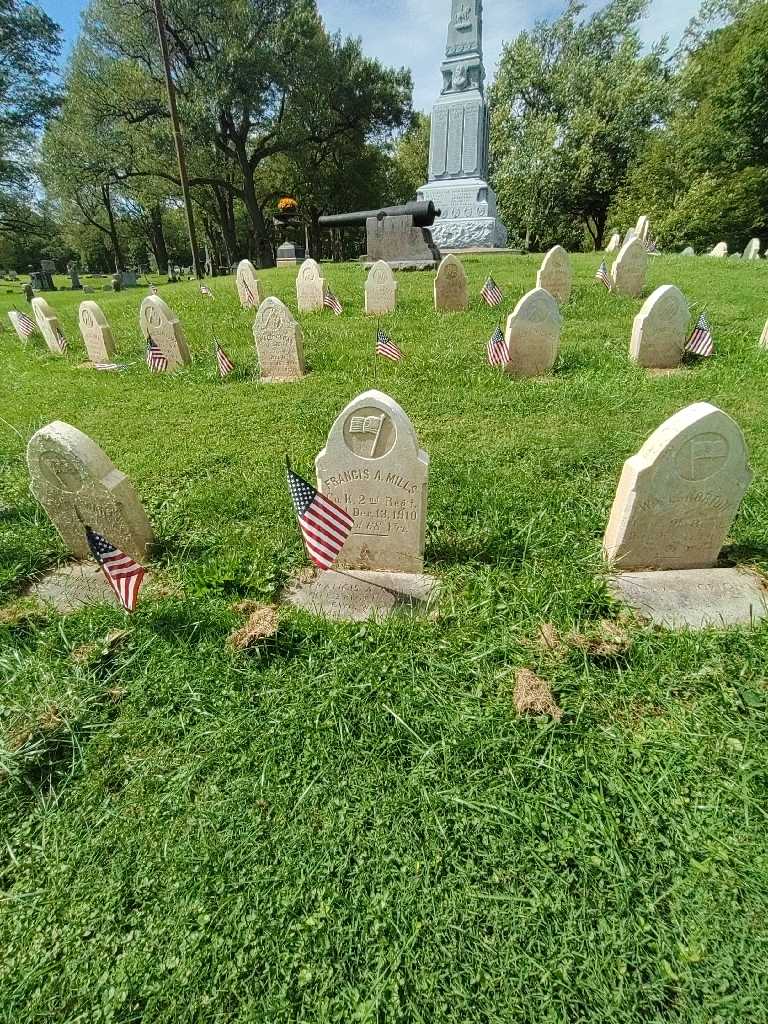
x: 206, y: 291
x: 331, y: 302
x: 61, y: 342
x: 498, y: 352
x: 324, y: 525
x: 491, y: 292
x: 250, y: 298
x: 603, y: 276
x: 651, y: 246
x: 386, y: 347
x: 701, y: 342
x: 123, y: 574
x: 224, y: 363
x: 22, y: 323
x: 110, y: 366
x: 156, y: 359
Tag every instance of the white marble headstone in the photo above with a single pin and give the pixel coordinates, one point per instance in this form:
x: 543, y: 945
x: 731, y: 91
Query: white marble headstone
x: 96, y: 332
x: 533, y: 335
x: 660, y: 329
x: 688, y: 251
x: 380, y: 289
x: 752, y: 251
x: 556, y: 274
x: 451, y: 291
x: 249, y: 289
x: 720, y: 250
x: 764, y: 336
x: 615, y: 243
x: 642, y: 228
x: 47, y: 320
x: 628, y: 272
x: 279, y: 343
x: 373, y: 467
x: 310, y: 287
x: 158, y: 322
x: 678, y: 497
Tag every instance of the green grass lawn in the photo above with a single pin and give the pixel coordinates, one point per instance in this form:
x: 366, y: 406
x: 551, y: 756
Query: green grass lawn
x: 350, y: 822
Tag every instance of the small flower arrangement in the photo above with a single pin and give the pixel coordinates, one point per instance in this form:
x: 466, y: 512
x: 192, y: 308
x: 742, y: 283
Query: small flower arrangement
x: 287, y: 206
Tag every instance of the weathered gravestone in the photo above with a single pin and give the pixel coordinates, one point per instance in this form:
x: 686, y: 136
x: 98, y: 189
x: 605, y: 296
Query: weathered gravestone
x: 556, y: 274
x: 660, y: 329
x: 533, y: 335
x: 674, y: 506
x: 372, y: 466
x: 764, y: 336
x: 642, y: 228
x: 628, y: 272
x: 279, y: 343
x: 629, y: 236
x: 380, y: 289
x: 752, y: 251
x: 96, y: 332
x: 615, y: 243
x: 735, y: 256
x: 159, y: 322
x: 310, y: 287
x: 688, y: 251
x: 451, y: 292
x: 249, y: 288
x: 47, y: 320
x: 720, y: 250
x: 78, y: 486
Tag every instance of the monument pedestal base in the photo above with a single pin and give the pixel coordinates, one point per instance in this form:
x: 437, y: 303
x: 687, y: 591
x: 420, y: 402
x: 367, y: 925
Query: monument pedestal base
x: 468, y: 219
x: 694, y: 598
x: 73, y: 586
x: 290, y: 255
x: 356, y: 595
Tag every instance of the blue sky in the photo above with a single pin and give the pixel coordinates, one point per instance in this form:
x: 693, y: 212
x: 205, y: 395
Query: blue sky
x: 412, y: 32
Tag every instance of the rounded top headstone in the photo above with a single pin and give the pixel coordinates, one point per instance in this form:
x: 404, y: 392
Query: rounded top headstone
x: 91, y: 313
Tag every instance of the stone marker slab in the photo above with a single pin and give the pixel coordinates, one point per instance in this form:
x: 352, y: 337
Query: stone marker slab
x: 356, y: 596
x: 615, y: 243
x: 752, y: 251
x: 660, y: 329
x: 96, y: 332
x: 373, y: 467
x: 533, y: 335
x: 279, y: 343
x: 74, y: 586
x: 556, y: 274
x: 678, y: 497
x: 694, y: 598
x: 310, y: 287
x: 628, y: 272
x: 764, y: 336
x: 380, y: 290
x: 249, y: 289
x: 642, y: 228
x: 688, y: 251
x: 720, y: 250
x: 76, y: 484
x: 158, y: 322
x: 451, y: 291
x: 47, y: 320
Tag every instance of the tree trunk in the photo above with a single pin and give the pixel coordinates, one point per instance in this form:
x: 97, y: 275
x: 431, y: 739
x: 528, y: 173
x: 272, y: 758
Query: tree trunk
x: 116, y: 250
x: 225, y: 220
x: 262, y: 248
x: 157, y: 239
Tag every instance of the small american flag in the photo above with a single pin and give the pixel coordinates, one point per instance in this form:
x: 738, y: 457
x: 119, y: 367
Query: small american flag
x: 387, y: 348
x: 123, y: 574
x: 206, y: 291
x: 324, y: 525
x: 61, y: 342
x: 492, y: 293
x: 603, y: 276
x: 498, y: 352
x: 116, y: 367
x: 22, y: 323
x: 250, y: 298
x: 224, y: 363
x: 331, y: 302
x: 156, y: 359
x: 701, y: 342
x: 650, y: 245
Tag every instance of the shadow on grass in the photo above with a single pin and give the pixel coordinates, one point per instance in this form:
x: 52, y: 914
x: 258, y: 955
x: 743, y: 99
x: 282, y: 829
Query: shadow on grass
x: 456, y: 548
x: 741, y: 554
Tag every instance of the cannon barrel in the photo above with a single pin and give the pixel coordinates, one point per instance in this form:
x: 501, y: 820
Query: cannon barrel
x: 423, y: 215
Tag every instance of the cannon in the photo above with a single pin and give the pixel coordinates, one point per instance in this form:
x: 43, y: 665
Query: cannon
x: 399, y: 235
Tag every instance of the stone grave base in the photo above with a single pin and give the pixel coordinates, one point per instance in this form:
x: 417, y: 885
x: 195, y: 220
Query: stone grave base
x: 402, y: 264
x: 355, y: 595
x: 71, y: 587
x: 694, y: 598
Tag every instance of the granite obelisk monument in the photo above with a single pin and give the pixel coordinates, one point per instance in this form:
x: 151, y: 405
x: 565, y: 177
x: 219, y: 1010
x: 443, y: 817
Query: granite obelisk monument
x: 458, y: 151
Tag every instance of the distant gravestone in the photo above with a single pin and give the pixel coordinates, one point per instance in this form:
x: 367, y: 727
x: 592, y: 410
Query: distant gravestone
x: 372, y: 466
x: 678, y: 496
x: 720, y: 250
x: 48, y: 321
x: 689, y: 251
x: 556, y: 274
x: 615, y: 243
x: 752, y: 251
x: 249, y: 288
x: 159, y: 322
x: 279, y: 343
x: 78, y: 486
x: 380, y: 289
x: 310, y: 287
x: 96, y: 332
x: 764, y: 336
x: 642, y: 228
x: 629, y: 236
x: 533, y: 335
x: 660, y: 329
x: 451, y: 291
x: 628, y: 272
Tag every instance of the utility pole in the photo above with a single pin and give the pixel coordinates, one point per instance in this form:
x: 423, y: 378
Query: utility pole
x: 177, y: 139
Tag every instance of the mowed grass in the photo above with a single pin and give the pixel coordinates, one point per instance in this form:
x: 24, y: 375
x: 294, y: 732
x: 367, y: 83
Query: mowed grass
x: 350, y: 822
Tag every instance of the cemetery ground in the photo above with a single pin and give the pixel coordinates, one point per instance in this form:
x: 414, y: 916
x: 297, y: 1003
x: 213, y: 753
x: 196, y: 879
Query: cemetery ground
x: 351, y: 822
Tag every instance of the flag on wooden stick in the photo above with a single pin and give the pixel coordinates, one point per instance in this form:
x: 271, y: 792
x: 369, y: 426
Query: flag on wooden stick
x: 224, y: 363
x: 61, y: 342
x: 206, y: 291
x: 331, y: 302
x: 156, y: 359
x: 491, y: 292
x: 324, y: 525
x: 701, y: 342
x: 603, y: 276
x: 498, y: 351
x: 22, y: 323
x: 123, y: 574
x: 386, y: 347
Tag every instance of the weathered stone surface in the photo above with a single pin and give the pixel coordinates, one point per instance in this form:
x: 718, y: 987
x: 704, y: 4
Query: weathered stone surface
x: 735, y: 256
x: 47, y: 320
x: 451, y: 291
x: 380, y: 290
x: 694, y: 598
x: 615, y: 243
x: 660, y: 329
x: 764, y: 336
x: 629, y: 236
x: 78, y: 486
x: 279, y: 343
x: 628, y: 272
x: 688, y: 251
x: 310, y: 287
x: 643, y: 228
x: 158, y: 322
x: 720, y: 250
x: 96, y: 332
x: 249, y: 289
x: 397, y: 242
x: 556, y: 274
x: 355, y: 596
x: 373, y: 467
x: 678, y: 496
x: 533, y: 335
x: 752, y: 251
x: 71, y: 587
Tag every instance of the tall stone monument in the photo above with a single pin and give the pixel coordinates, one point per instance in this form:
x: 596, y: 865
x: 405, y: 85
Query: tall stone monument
x: 458, y: 151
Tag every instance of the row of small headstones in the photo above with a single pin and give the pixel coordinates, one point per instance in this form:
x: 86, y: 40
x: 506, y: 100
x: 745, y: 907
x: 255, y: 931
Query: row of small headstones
x: 643, y: 231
